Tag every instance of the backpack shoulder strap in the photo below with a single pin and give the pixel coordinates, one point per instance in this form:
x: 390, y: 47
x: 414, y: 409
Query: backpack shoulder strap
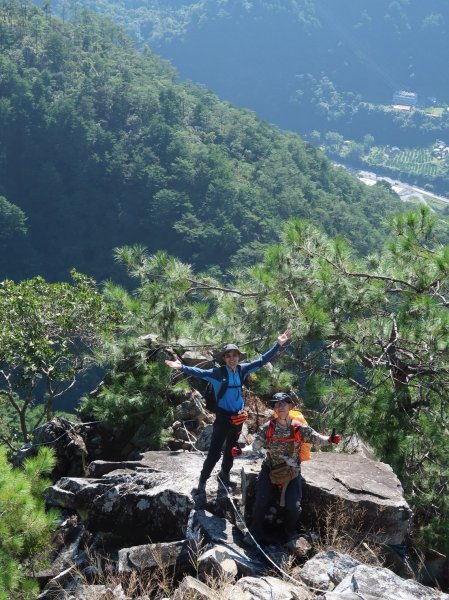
x: 224, y: 383
x: 239, y: 371
x: 270, y: 430
x: 296, y: 432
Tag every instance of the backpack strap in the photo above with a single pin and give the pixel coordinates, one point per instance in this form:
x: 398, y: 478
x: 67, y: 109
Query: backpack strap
x: 225, y: 382
x: 296, y: 432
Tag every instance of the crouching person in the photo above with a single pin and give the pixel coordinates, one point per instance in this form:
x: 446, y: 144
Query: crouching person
x: 281, y: 438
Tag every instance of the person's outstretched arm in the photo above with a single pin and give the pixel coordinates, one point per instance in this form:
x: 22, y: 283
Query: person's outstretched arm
x: 207, y: 374
x: 282, y: 339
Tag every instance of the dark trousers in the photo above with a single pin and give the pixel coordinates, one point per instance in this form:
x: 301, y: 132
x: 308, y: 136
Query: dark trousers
x: 265, y: 491
x: 223, y: 432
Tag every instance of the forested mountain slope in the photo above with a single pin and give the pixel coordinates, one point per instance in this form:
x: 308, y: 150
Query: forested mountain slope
x: 257, y: 54
x: 102, y: 146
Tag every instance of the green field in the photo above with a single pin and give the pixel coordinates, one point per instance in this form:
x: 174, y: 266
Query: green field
x: 417, y: 161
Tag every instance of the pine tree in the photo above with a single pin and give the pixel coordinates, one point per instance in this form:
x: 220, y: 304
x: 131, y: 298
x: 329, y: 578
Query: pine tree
x: 25, y: 525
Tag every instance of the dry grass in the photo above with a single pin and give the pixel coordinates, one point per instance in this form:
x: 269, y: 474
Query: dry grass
x: 345, y: 531
x: 152, y: 584
x: 157, y: 583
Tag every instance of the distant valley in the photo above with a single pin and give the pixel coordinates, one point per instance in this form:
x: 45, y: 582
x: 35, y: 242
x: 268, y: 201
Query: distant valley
x: 312, y: 66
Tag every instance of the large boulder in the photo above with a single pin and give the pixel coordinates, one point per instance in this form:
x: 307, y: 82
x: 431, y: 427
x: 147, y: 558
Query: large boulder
x: 137, y: 506
x: 366, y: 489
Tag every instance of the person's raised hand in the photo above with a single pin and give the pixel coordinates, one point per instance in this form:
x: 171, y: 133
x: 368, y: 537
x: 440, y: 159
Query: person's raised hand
x: 174, y: 364
x: 284, y: 337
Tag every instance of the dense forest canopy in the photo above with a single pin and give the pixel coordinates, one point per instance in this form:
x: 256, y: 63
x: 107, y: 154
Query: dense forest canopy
x: 102, y: 146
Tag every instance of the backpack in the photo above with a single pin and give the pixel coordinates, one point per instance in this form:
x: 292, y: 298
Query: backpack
x: 209, y: 392
x: 304, y: 447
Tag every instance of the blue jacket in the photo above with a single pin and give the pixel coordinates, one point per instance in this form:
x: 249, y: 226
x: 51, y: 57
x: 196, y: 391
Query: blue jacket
x: 232, y: 400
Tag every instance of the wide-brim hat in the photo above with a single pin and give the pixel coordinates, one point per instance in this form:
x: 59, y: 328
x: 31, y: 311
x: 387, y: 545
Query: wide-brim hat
x: 219, y: 356
x: 279, y: 396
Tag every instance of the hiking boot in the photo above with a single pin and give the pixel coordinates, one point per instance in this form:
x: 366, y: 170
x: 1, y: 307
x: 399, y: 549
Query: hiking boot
x: 224, y: 479
x: 258, y: 536
x: 201, y: 487
x: 299, y: 546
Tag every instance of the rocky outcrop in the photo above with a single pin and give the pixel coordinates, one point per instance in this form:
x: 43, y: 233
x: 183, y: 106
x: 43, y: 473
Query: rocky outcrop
x: 67, y: 441
x: 144, y: 513
x: 136, y: 506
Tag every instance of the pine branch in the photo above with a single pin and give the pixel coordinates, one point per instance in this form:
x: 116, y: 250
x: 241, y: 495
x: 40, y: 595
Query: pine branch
x: 201, y: 285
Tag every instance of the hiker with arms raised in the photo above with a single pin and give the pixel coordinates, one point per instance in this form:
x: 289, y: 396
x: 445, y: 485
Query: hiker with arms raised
x: 281, y: 438
x: 230, y: 415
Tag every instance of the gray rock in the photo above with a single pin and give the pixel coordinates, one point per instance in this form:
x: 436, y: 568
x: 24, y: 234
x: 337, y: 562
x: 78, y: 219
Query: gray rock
x: 191, y: 409
x: 299, y: 546
x: 355, y: 445
x: 65, y: 438
x: 217, y: 563
x: 192, y: 589
x: 150, y: 556
x: 55, y: 587
x: 327, y: 569
x: 218, y: 531
x: 100, y: 592
x: 203, y: 441
x: 383, y: 584
x: 347, y: 596
x: 366, y: 489
x: 268, y: 588
x: 197, y: 358
x: 136, y: 506
x: 98, y: 468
